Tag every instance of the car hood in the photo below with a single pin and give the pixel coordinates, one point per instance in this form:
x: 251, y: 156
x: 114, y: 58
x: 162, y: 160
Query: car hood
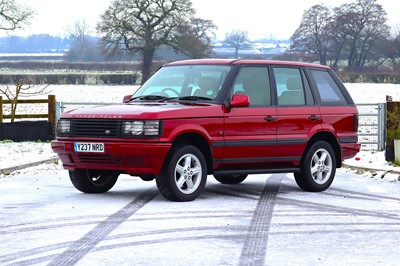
x: 146, y: 111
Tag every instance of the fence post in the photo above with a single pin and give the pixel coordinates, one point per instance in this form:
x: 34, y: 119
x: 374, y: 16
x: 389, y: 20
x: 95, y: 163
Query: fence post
x: 62, y: 107
x: 52, y: 110
x: 58, y: 110
x: 1, y: 109
x: 381, y: 126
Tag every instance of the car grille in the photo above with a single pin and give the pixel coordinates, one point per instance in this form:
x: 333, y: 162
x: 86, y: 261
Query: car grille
x: 96, y: 128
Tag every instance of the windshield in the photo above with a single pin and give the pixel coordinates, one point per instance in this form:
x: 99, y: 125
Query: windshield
x: 188, y: 82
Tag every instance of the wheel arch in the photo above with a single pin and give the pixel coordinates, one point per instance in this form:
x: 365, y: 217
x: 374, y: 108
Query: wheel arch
x: 197, y: 140
x: 332, y: 140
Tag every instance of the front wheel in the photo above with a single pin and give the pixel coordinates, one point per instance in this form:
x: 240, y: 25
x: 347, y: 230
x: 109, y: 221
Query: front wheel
x: 317, y: 169
x: 93, y: 181
x: 184, y: 175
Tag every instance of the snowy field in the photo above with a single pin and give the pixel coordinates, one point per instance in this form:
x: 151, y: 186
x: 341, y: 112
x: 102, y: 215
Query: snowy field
x: 13, y: 154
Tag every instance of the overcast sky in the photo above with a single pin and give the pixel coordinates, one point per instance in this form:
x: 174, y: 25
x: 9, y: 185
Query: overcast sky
x: 261, y: 18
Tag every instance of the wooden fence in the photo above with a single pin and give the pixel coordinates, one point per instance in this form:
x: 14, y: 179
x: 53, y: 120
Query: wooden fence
x: 51, y: 110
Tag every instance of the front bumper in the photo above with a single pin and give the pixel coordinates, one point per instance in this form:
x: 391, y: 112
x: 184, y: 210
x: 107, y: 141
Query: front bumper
x: 127, y: 157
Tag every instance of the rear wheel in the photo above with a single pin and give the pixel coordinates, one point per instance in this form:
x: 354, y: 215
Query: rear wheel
x: 93, y: 181
x: 318, y: 168
x: 230, y: 179
x: 184, y: 175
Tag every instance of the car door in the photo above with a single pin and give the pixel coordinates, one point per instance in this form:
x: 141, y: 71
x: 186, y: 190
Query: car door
x: 298, y: 116
x: 249, y: 132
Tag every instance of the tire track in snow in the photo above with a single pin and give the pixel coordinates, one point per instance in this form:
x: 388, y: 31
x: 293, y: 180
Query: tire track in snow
x: 85, y: 244
x: 254, y: 248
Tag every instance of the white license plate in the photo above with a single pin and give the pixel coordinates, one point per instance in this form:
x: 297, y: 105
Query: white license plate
x: 88, y: 147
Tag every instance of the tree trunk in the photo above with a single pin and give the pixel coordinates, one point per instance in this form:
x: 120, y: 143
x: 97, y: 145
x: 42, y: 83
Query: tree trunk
x: 13, y: 109
x: 147, y: 63
x: 323, y: 56
x: 236, y: 52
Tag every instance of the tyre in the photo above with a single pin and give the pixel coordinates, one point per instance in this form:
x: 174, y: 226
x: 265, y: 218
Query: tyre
x: 230, y: 179
x: 184, y: 175
x: 317, y: 169
x: 93, y: 181
x: 147, y: 177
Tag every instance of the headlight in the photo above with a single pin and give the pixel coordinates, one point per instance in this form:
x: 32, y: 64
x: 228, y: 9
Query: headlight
x: 134, y: 128
x: 141, y: 128
x: 63, y: 127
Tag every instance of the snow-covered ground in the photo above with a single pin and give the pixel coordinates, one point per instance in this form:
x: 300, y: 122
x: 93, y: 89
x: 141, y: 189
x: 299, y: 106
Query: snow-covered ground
x: 16, y: 153
x: 13, y: 154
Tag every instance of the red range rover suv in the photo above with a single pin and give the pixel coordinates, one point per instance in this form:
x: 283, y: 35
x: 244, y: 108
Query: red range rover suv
x: 222, y: 117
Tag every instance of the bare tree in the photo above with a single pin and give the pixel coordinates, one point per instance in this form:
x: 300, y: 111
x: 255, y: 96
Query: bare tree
x: 396, y: 47
x: 389, y: 48
x: 351, y: 32
x: 311, y: 37
x: 21, y: 89
x: 80, y: 31
x: 236, y: 39
x: 337, y: 30
x: 363, y: 23
x: 13, y: 15
x: 82, y: 48
x: 195, y: 38
x: 142, y: 26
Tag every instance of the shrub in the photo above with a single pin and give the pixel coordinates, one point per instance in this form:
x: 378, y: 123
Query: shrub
x: 369, y: 77
x: 70, y: 78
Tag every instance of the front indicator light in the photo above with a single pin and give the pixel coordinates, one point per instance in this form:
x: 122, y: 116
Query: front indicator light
x: 152, y: 128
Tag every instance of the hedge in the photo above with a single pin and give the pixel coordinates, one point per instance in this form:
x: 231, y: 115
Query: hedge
x: 76, y: 79
x: 88, y: 66
x: 360, y: 77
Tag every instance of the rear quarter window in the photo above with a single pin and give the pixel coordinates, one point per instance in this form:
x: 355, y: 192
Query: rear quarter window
x: 329, y: 93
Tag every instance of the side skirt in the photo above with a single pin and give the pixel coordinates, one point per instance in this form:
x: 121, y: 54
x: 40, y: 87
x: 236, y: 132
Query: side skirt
x: 257, y: 171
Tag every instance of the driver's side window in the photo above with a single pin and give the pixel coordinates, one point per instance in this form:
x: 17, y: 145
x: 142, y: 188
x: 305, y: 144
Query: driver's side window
x: 254, y: 82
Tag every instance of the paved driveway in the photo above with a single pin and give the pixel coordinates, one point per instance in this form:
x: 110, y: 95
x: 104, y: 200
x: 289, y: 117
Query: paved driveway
x: 267, y: 220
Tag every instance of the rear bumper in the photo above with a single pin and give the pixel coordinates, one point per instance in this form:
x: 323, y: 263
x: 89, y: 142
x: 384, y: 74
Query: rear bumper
x: 349, y: 150
x: 130, y: 158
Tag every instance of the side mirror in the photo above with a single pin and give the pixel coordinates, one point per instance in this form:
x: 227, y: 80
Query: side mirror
x: 239, y: 100
x: 126, y: 98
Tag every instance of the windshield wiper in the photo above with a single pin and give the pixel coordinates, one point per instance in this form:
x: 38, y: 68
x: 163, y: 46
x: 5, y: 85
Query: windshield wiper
x: 160, y: 98
x: 186, y: 98
x: 148, y: 98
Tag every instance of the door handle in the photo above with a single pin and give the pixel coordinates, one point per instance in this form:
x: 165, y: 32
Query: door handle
x: 314, y: 117
x: 269, y: 118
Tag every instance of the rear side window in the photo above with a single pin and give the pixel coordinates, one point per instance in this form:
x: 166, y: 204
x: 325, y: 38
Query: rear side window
x: 329, y: 92
x: 289, y: 84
